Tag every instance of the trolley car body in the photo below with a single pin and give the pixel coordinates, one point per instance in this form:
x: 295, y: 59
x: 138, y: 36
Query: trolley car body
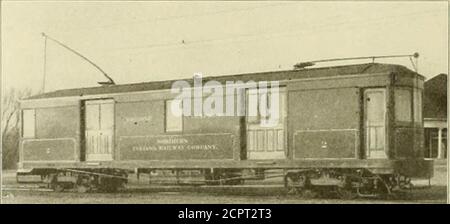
x: 365, y: 116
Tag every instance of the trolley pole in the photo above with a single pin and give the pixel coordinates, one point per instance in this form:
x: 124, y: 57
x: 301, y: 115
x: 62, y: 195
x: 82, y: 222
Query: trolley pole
x: 45, y: 63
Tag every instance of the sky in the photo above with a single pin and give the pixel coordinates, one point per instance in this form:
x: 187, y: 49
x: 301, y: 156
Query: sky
x: 150, y: 41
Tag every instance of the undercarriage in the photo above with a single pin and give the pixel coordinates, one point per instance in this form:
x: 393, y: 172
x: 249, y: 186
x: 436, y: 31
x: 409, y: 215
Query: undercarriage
x: 308, y: 183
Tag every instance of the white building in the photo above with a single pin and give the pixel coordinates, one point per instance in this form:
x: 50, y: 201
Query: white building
x: 435, y: 117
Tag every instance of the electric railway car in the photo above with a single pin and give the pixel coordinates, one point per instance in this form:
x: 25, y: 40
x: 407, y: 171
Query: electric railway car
x: 357, y: 129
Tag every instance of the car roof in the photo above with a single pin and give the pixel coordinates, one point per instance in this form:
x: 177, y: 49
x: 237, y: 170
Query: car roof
x: 356, y: 69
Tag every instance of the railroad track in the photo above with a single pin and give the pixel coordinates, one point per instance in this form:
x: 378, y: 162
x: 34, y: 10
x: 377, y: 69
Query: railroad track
x: 201, y: 194
x: 25, y: 188
x: 244, y: 190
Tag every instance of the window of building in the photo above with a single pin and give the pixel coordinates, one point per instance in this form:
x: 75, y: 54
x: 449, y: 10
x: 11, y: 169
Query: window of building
x: 418, y: 105
x: 174, y: 122
x: 28, y: 123
x: 403, y: 105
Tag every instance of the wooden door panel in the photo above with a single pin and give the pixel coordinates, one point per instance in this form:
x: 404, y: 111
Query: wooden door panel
x: 375, y: 122
x: 99, y: 130
x: 265, y: 142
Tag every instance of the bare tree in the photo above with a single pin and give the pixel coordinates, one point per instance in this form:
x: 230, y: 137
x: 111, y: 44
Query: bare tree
x: 10, y: 122
x: 10, y: 107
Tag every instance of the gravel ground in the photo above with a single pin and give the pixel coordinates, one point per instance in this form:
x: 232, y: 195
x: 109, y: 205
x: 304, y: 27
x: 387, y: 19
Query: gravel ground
x: 139, y: 192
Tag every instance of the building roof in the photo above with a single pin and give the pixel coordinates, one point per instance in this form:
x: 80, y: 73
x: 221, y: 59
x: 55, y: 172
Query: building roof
x: 263, y: 76
x: 435, y: 98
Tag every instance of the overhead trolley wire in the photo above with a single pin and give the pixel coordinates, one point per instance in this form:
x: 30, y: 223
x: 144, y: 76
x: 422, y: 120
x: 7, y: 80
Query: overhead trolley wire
x: 177, y: 17
x: 294, y: 32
